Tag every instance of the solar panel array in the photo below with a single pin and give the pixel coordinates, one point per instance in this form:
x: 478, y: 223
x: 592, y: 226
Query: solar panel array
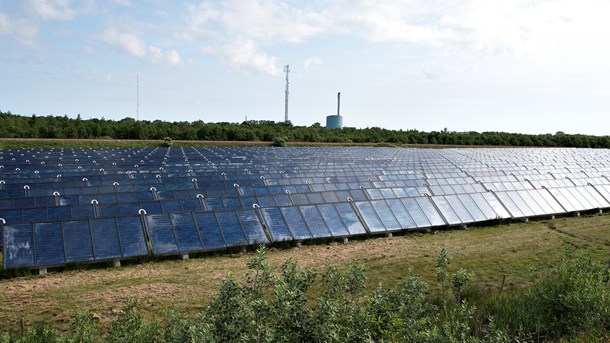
x: 61, y: 206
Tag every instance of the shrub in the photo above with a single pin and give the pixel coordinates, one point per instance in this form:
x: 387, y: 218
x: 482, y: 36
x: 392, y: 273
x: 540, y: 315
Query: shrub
x: 279, y: 142
x: 572, y: 297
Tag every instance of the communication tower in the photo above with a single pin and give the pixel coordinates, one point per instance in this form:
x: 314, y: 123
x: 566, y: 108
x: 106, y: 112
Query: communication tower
x: 286, y: 70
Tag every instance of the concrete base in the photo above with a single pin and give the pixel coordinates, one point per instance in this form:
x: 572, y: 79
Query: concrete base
x: 389, y: 234
x: 463, y: 226
x: 42, y: 271
x: 184, y: 257
x: 600, y: 211
x: 244, y: 250
x: 526, y: 220
x: 345, y: 240
x: 299, y: 244
x: 552, y: 217
x: 116, y: 263
x: 578, y: 214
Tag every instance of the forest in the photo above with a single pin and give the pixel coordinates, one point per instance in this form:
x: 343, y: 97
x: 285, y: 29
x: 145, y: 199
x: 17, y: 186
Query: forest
x: 64, y: 127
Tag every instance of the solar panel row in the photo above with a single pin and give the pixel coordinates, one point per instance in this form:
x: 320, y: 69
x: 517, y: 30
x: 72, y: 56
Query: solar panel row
x: 201, y: 199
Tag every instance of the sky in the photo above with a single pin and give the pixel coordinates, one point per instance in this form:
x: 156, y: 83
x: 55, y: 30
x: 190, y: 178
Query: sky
x: 520, y: 66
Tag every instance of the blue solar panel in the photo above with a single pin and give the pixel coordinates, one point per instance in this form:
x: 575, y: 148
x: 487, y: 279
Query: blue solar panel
x: 430, y: 211
x: 402, y: 215
x: 315, y: 222
x: 81, y: 212
x: 213, y: 204
x: 162, y: 235
x: 13, y: 216
x: 78, y: 242
x: 276, y: 224
x: 24, y: 202
x: 129, y: 209
x: 49, y: 244
x: 191, y: 205
x: 231, y: 203
x: 315, y: 198
x: 370, y: 217
x: 265, y: 201
x: 37, y: 214
x: 252, y: 227
x: 299, y: 199
x: 133, y: 241
x: 186, y: 231
x: 333, y: 220
x: 209, y: 230
x: 106, y: 243
x: 5, y: 202
x: 152, y: 207
x: 296, y: 223
x: 385, y: 214
x: 18, y: 246
x: 59, y: 213
x: 231, y: 228
x: 350, y: 218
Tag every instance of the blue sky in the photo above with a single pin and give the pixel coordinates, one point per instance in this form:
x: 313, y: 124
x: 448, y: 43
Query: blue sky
x: 468, y: 65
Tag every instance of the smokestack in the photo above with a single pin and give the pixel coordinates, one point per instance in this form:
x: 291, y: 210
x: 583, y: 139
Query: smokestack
x: 338, y: 103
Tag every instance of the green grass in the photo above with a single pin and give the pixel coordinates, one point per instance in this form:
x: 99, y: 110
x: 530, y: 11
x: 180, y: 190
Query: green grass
x: 490, y: 252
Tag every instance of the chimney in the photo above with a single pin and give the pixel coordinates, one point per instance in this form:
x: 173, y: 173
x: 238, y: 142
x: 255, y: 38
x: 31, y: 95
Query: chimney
x: 338, y: 103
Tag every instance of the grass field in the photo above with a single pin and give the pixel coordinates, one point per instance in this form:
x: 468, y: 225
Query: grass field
x: 510, y: 250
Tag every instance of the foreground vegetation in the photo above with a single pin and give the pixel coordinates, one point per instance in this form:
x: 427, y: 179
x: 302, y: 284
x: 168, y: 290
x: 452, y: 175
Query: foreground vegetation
x: 63, y: 127
x: 570, y: 300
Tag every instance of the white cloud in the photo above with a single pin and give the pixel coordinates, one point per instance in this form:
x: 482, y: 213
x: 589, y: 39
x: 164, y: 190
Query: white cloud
x: 237, y: 30
x: 242, y: 54
x: 22, y: 31
x: 52, y: 9
x: 408, y: 22
x: 126, y: 42
x: 133, y: 45
x: 158, y: 55
x: 5, y: 24
x: 123, y: 2
x: 311, y: 62
x: 549, y: 32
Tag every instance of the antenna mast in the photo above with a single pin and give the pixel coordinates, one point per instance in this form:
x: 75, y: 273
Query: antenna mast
x: 286, y: 70
x: 138, y: 97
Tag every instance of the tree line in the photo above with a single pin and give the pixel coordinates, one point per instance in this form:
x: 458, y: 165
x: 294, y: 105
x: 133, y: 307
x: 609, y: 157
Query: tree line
x: 64, y: 127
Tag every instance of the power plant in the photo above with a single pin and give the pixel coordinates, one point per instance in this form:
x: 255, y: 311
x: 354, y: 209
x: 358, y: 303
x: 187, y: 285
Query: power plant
x: 335, y: 121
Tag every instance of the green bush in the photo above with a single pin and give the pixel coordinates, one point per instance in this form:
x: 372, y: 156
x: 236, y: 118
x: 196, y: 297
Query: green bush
x: 279, y: 142
x: 291, y: 304
x: 572, y: 297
